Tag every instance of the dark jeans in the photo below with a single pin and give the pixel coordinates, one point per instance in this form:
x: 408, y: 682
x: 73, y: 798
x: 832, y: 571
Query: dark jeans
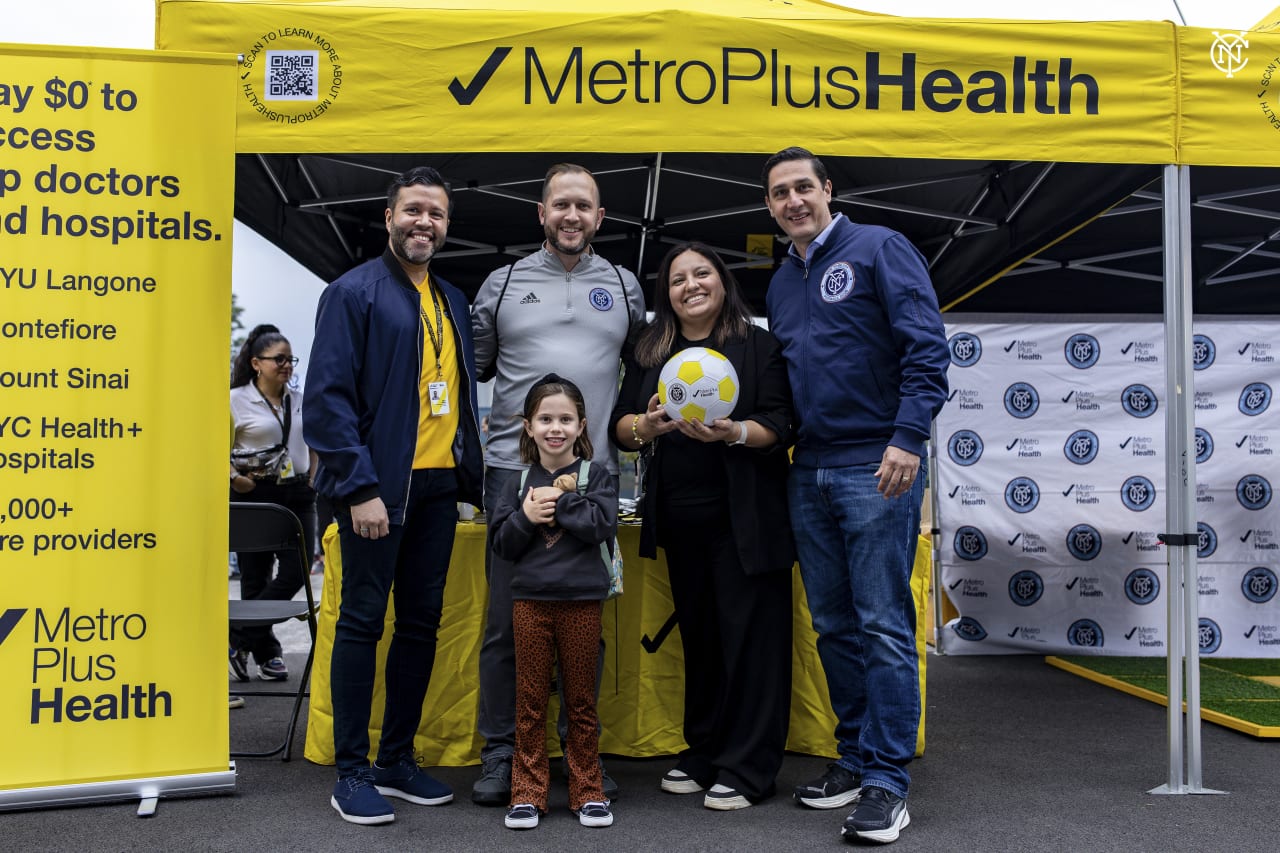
x: 496, y: 721
x: 413, y: 561
x: 256, y: 580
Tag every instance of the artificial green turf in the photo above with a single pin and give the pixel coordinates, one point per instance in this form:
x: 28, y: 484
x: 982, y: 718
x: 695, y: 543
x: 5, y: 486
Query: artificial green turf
x: 1225, y: 683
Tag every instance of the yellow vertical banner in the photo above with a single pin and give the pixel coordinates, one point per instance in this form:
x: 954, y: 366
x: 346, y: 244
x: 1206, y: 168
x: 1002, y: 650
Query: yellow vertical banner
x: 116, y: 196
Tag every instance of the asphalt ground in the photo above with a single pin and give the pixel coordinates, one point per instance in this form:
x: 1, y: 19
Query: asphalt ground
x: 1020, y: 757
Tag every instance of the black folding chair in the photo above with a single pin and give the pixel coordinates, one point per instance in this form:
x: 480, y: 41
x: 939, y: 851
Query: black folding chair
x: 271, y: 527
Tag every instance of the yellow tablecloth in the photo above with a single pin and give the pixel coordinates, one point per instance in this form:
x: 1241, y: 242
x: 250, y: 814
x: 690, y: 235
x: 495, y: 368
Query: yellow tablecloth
x: 642, y: 693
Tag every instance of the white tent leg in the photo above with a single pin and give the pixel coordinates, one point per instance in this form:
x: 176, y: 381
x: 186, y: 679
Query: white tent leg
x: 1183, y: 633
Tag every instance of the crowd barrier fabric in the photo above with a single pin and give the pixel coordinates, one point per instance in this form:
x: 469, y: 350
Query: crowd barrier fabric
x: 642, y: 692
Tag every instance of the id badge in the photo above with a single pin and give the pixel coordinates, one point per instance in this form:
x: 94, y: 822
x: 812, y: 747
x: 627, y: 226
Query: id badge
x: 438, y: 394
x: 286, y: 469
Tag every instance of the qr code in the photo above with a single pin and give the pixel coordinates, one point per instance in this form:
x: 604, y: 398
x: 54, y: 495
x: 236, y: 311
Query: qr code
x: 292, y: 75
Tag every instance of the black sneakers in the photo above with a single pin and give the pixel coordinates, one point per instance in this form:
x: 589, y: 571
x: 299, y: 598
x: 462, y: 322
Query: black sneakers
x: 833, y: 789
x: 879, y: 817
x: 493, y: 788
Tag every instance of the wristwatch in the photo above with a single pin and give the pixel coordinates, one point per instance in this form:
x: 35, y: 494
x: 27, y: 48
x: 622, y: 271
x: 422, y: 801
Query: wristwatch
x: 742, y: 434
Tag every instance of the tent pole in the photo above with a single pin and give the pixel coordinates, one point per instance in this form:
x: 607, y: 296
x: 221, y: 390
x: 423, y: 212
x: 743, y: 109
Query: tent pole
x: 1181, y: 538
x: 650, y: 208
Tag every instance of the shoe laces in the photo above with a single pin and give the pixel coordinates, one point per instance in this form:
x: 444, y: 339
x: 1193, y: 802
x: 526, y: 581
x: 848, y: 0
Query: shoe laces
x: 360, y: 779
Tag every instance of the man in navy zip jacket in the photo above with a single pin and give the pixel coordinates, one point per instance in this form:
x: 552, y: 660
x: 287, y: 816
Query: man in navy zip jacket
x: 867, y: 357
x: 391, y: 399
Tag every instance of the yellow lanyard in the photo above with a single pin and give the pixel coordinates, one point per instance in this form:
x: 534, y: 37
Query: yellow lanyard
x: 436, y: 334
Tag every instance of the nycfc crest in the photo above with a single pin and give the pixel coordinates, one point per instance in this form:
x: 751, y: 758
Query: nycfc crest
x: 1227, y: 53
x: 837, y: 282
x: 1210, y: 636
x: 965, y: 348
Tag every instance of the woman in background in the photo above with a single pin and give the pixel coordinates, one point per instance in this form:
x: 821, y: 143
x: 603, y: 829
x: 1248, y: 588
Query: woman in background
x: 269, y: 464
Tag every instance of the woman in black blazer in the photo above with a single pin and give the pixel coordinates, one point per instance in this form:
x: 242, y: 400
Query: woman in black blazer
x: 715, y: 501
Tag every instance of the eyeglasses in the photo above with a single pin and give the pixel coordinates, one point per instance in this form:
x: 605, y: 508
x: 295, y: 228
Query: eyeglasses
x: 280, y: 360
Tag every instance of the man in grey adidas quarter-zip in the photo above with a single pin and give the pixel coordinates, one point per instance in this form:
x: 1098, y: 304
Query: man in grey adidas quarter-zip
x: 563, y: 309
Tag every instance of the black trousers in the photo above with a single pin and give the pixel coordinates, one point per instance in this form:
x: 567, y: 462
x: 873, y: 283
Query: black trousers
x: 736, y: 633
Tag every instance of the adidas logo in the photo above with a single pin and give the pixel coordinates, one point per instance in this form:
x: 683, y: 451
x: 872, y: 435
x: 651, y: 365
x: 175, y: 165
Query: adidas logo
x: 531, y: 299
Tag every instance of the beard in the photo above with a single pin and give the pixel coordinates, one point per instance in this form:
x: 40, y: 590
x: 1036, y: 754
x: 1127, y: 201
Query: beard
x: 584, y: 241
x: 404, y: 247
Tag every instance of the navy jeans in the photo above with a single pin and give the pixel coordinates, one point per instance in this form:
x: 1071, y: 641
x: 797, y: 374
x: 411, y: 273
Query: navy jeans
x: 856, y: 552
x: 414, y: 561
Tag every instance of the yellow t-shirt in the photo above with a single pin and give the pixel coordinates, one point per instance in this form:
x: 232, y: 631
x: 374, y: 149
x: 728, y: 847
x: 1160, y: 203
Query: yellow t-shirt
x: 436, y: 433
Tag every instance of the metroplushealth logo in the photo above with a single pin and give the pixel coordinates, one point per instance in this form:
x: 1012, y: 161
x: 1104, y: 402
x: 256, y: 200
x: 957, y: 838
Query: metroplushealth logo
x: 74, y: 659
x: 729, y: 75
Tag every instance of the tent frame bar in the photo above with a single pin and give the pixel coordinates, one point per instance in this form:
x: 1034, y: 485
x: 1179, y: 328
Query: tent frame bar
x: 1185, y: 770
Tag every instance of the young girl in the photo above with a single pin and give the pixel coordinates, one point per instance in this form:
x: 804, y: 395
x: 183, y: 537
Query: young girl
x: 551, y: 531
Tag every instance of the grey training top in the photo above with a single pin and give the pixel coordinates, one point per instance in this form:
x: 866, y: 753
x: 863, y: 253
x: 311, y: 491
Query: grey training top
x: 571, y: 323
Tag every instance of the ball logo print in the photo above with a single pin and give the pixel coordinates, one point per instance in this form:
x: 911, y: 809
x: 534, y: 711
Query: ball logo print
x: 1084, y: 542
x: 1139, y: 401
x: 1138, y: 493
x: 970, y: 543
x: 1021, y: 400
x: 1025, y: 588
x: 968, y: 628
x: 1259, y: 585
x: 1085, y: 632
x: 1206, y: 540
x: 1081, y: 447
x: 1082, y: 351
x: 1142, y: 586
x: 1203, y: 352
x: 1255, y: 398
x: 965, y: 349
x: 698, y: 384
x: 1022, y: 494
x: 1204, y: 445
x: 1210, y: 636
x: 1253, y: 491
x: 837, y: 282
x: 600, y: 298
x: 965, y: 447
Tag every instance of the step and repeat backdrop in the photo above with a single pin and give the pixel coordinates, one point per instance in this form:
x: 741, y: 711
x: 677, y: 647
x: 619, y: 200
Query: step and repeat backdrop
x: 1050, y: 491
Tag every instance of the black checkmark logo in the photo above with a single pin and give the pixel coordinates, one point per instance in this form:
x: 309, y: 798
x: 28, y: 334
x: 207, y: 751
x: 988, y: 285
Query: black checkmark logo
x: 1241, y: 442
x: 953, y: 492
x: 1067, y: 399
x: 1125, y: 443
x: 1014, y: 632
x: 1132, y: 631
x: 1126, y: 349
x: 652, y: 645
x: 1243, y: 349
x: 956, y: 584
x: 952, y: 395
x: 1245, y: 537
x: 1249, y: 633
x: 465, y: 95
x: 1011, y: 345
x: 1011, y: 445
x: 1069, y: 489
x: 1126, y: 539
x: 1072, y: 585
x: 1015, y: 539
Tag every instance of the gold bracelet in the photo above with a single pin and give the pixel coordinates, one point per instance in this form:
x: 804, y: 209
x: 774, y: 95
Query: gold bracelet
x: 634, y: 433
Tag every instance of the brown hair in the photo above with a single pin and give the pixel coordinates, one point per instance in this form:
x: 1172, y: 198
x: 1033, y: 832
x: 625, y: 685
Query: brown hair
x: 658, y: 341
x: 549, y: 386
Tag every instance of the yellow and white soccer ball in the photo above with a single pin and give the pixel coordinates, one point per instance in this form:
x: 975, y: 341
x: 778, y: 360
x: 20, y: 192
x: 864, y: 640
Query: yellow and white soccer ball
x: 698, y: 384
